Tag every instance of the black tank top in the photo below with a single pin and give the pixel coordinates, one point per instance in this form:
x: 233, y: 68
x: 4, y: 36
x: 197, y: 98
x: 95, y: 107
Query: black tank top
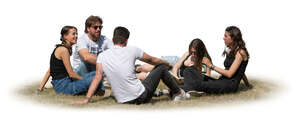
x: 182, y: 67
x: 57, y: 67
x: 241, y: 70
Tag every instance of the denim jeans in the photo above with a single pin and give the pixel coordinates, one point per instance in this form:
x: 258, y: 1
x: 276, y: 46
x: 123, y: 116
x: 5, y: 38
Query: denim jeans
x: 84, y: 68
x: 68, y: 86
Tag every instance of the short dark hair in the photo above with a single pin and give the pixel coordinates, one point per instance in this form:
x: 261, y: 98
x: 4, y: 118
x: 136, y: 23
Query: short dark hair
x: 92, y: 20
x: 121, y: 34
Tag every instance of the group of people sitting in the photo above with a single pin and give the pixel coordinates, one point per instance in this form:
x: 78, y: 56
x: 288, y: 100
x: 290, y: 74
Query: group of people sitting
x: 96, y: 57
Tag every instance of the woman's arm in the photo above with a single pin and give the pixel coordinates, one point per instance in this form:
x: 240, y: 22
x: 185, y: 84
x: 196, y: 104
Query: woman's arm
x: 65, y: 56
x: 233, y: 68
x: 94, y: 85
x: 179, y: 64
x: 44, y: 81
x: 245, y: 79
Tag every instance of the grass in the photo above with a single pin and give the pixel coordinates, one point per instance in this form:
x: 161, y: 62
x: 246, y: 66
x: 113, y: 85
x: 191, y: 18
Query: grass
x: 261, y: 89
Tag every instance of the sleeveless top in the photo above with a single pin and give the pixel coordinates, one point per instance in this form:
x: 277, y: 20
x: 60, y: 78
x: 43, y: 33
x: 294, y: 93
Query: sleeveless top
x: 57, y: 67
x: 182, y: 67
x: 240, y: 71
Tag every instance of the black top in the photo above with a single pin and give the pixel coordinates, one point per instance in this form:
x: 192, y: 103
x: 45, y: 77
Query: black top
x: 182, y: 67
x: 239, y: 73
x: 57, y: 67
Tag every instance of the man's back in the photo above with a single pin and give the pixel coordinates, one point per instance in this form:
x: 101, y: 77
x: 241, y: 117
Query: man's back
x: 118, y: 65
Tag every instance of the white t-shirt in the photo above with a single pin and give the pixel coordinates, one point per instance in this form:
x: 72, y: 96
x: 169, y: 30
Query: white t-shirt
x: 103, y: 43
x: 118, y: 65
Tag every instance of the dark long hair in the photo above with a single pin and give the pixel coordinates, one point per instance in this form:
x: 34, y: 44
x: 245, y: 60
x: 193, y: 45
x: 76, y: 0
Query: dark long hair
x: 64, y: 31
x: 237, y: 41
x: 201, y: 52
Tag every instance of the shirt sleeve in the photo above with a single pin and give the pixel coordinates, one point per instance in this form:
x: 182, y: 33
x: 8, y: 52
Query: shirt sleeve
x: 99, y: 58
x: 82, y: 43
x: 138, y: 53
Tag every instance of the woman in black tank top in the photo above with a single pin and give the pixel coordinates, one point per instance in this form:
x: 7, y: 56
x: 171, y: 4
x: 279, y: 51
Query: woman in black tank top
x: 235, y: 65
x: 64, y: 79
x: 197, y: 51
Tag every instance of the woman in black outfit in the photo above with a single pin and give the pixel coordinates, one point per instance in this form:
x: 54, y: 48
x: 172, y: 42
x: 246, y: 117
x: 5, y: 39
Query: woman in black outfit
x: 235, y: 65
x: 64, y: 79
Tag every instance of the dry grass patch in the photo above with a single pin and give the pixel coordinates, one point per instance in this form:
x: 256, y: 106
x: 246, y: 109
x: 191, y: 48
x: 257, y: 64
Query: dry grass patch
x: 261, y: 89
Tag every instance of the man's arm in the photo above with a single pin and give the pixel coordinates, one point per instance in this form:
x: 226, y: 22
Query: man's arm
x: 96, y: 81
x: 154, y: 61
x: 87, y: 56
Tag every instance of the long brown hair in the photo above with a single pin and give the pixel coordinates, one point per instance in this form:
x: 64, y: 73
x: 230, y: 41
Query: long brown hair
x: 237, y: 41
x: 201, y: 52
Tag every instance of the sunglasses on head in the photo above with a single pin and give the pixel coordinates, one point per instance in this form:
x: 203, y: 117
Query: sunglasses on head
x: 96, y: 27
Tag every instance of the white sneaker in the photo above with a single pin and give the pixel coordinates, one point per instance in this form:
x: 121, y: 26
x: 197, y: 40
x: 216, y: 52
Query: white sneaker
x: 181, y: 96
x: 106, y: 84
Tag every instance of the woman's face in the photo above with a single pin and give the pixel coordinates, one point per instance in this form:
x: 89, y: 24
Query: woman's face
x: 71, y: 37
x: 227, y: 39
x: 193, y: 52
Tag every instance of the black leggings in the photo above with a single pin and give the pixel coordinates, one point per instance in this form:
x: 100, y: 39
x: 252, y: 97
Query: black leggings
x: 152, y: 81
x: 194, y: 80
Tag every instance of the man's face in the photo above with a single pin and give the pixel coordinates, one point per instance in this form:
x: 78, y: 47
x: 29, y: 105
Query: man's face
x: 95, y: 31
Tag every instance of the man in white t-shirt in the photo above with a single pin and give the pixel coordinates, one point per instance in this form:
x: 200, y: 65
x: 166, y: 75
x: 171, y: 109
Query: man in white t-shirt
x: 118, y: 64
x: 89, y: 46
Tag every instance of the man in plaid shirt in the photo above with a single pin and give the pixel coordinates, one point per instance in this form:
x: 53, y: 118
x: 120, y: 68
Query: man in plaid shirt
x: 89, y: 45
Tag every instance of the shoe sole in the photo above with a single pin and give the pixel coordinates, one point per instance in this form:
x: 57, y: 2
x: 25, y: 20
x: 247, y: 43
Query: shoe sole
x: 196, y: 93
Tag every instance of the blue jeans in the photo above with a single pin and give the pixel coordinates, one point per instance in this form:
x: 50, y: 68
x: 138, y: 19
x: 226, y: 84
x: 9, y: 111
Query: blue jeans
x: 85, y: 68
x: 68, y: 86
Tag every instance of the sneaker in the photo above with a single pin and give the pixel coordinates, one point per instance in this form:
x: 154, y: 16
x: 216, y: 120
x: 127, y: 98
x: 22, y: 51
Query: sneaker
x: 181, y: 96
x: 99, y: 93
x: 106, y: 84
x: 157, y: 93
x: 195, y: 93
x: 160, y: 92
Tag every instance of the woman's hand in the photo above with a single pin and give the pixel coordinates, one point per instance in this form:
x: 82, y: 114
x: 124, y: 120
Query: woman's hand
x: 80, y: 101
x: 206, y: 61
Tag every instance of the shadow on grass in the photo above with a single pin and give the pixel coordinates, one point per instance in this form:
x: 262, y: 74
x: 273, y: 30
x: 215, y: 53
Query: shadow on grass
x: 260, y: 90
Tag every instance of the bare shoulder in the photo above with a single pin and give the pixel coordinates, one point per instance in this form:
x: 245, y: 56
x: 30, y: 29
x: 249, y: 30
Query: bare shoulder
x: 243, y: 54
x: 186, y: 54
x: 61, y: 50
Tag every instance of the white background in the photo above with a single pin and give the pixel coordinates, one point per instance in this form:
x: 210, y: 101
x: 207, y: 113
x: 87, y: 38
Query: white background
x: 30, y: 29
